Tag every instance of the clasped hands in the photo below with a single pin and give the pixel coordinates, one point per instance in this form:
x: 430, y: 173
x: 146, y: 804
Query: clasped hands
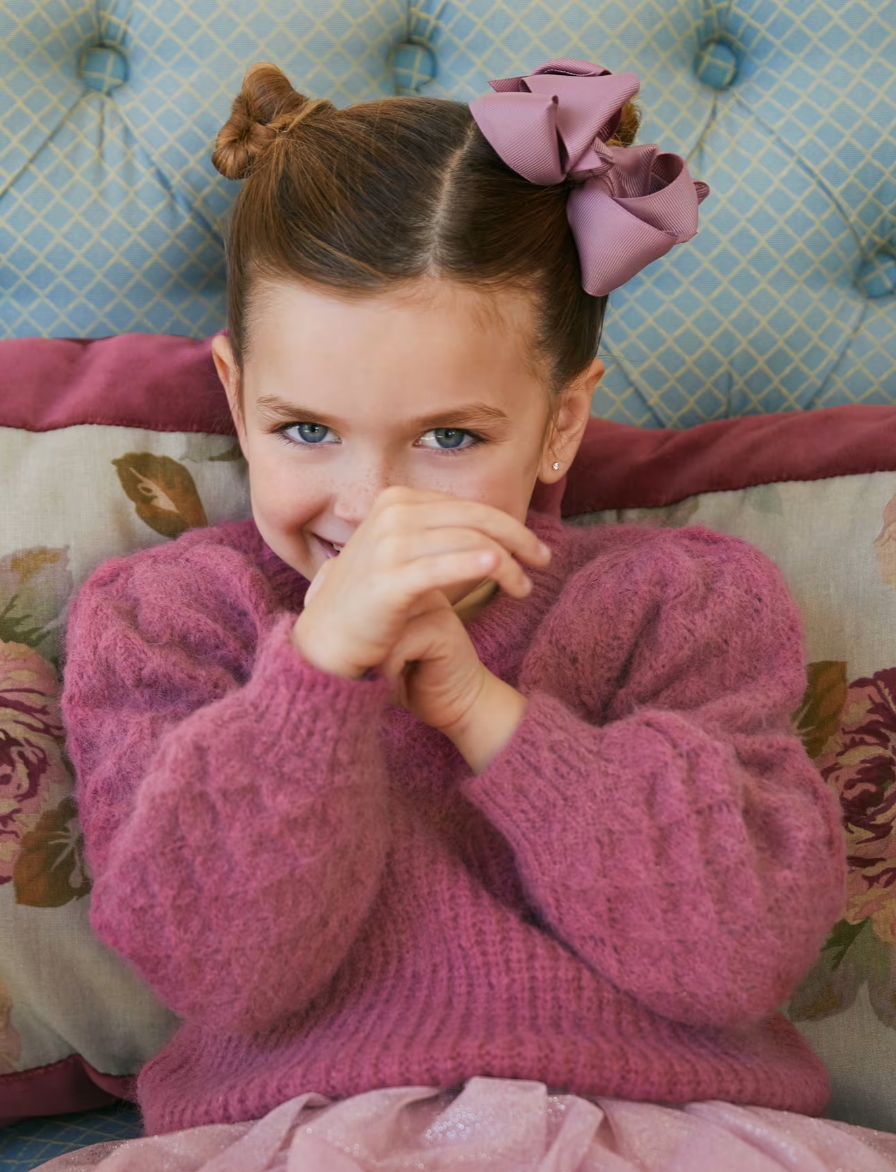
x: 382, y: 604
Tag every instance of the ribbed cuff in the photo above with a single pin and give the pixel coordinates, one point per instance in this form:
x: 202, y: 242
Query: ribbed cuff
x: 538, y: 772
x: 295, y: 699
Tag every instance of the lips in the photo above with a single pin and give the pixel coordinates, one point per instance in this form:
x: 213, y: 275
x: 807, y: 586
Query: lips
x: 330, y: 548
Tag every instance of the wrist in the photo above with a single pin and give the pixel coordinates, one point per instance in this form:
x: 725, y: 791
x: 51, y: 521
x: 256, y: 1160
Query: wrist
x: 304, y: 646
x: 489, y: 722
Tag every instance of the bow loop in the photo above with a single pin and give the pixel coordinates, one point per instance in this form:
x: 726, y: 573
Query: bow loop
x: 630, y: 204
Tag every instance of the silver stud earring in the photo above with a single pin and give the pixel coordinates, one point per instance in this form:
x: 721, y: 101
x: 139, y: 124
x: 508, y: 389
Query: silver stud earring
x: 556, y: 466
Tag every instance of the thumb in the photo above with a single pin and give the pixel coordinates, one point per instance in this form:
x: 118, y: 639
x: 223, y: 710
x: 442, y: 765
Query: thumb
x: 318, y: 579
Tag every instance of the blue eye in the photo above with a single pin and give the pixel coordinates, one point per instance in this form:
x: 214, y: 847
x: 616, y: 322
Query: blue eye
x: 310, y: 433
x: 453, y: 438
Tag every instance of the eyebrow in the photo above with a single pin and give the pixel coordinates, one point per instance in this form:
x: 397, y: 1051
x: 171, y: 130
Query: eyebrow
x: 478, y: 414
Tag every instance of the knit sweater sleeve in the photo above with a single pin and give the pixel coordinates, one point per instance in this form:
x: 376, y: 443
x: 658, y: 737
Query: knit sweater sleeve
x: 232, y: 796
x: 668, y: 826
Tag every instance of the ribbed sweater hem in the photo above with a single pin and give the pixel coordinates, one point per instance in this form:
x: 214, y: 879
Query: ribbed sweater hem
x: 590, y: 1071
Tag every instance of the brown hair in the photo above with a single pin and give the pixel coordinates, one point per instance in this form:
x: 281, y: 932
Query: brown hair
x: 373, y: 196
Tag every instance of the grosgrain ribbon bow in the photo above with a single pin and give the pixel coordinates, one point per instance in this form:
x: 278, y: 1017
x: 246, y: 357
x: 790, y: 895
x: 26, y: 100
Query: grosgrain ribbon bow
x: 631, y: 204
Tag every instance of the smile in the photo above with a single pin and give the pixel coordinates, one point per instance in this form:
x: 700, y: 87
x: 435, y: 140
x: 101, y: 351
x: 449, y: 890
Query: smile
x: 329, y: 547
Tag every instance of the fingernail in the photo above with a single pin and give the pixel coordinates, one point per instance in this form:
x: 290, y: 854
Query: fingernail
x: 544, y: 548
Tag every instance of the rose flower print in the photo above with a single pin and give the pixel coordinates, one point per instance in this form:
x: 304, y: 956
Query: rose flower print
x: 33, y: 777
x: 859, y: 763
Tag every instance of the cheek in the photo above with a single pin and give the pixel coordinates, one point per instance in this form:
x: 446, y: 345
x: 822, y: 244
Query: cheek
x: 283, y: 493
x: 504, y: 481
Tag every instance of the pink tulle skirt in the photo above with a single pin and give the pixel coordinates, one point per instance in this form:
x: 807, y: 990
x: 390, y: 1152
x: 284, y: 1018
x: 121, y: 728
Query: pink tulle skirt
x: 498, y: 1125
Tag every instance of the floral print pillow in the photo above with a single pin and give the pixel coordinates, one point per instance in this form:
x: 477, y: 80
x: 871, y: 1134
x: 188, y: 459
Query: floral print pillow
x: 134, y: 488
x: 835, y: 541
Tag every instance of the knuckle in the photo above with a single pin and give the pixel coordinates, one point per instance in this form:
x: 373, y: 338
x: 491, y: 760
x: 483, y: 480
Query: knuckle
x: 391, y: 546
x: 394, y: 516
x: 394, y: 494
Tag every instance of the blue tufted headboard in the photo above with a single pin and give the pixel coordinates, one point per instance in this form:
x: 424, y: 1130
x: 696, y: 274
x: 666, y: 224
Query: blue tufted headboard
x: 111, y: 212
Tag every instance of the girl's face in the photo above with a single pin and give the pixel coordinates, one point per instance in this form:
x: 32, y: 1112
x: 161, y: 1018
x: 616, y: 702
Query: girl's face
x: 430, y: 388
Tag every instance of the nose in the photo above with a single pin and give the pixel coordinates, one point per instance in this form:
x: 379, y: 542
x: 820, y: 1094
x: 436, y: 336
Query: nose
x: 359, y: 486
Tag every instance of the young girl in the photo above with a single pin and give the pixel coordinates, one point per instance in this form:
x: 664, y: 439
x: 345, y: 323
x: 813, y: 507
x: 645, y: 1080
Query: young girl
x: 458, y: 837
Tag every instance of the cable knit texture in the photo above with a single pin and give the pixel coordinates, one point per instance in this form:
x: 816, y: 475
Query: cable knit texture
x: 331, y: 900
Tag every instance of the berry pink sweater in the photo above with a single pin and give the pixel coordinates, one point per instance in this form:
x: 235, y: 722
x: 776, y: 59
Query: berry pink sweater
x: 331, y: 900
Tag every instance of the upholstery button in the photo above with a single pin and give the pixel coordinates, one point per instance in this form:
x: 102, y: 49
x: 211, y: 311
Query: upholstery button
x: 877, y: 276
x: 103, y: 68
x: 412, y: 66
x: 716, y: 64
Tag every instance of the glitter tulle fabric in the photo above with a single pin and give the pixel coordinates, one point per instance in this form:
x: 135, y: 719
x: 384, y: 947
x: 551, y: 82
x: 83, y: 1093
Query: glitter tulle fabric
x: 498, y: 1125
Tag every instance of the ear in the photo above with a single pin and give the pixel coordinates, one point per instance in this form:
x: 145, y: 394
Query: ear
x: 225, y: 365
x: 565, y: 435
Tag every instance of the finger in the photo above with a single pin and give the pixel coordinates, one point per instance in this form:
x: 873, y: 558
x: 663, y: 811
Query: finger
x: 503, y: 568
x: 417, y: 514
x: 318, y: 579
x: 398, y: 692
x: 433, y: 600
x: 419, y: 639
x: 509, y: 574
x: 441, y: 571
x: 405, y: 548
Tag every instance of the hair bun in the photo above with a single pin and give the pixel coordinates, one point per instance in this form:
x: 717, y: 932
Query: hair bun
x: 266, y: 106
x: 629, y: 124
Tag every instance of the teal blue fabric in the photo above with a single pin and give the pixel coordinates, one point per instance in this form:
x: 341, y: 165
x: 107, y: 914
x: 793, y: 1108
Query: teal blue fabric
x: 32, y: 1142
x: 111, y: 213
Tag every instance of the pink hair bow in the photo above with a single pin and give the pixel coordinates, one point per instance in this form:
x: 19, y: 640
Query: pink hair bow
x: 631, y: 204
